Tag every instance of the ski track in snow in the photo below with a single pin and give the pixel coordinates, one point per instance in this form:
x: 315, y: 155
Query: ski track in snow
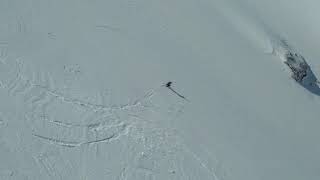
x: 98, y: 124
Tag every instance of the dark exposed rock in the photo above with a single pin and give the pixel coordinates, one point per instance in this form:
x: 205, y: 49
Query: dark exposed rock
x: 298, y: 66
x: 301, y: 72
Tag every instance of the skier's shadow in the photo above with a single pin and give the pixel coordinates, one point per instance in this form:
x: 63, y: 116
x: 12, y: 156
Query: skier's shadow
x: 168, y: 85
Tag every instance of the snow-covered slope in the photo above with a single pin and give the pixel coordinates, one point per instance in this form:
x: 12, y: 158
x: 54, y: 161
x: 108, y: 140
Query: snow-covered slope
x: 83, y: 97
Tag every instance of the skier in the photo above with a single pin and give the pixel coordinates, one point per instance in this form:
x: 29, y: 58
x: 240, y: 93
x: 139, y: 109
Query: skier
x: 168, y: 85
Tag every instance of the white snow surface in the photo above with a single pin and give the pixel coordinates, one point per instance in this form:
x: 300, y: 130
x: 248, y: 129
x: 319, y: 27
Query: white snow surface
x: 82, y: 93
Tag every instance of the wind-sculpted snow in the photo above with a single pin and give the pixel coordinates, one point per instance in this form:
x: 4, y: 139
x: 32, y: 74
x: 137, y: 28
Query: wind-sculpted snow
x: 265, y: 38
